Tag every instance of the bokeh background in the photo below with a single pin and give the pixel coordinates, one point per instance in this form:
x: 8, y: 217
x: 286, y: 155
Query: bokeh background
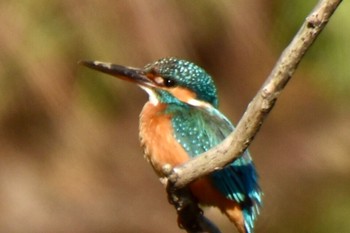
x: 69, y: 154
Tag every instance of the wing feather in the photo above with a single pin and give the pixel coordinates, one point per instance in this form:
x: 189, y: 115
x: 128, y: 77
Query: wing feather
x: 198, y: 131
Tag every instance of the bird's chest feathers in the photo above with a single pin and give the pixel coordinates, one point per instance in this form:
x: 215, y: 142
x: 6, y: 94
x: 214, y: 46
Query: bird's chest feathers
x: 157, y: 138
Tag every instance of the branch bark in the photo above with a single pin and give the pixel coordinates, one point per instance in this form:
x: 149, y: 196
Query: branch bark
x: 261, y: 105
x: 248, y: 126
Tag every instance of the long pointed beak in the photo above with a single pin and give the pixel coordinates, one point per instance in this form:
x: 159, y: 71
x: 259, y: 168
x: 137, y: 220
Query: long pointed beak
x: 123, y: 72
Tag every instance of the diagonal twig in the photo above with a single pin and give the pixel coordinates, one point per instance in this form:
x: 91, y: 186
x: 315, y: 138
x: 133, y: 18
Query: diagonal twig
x: 261, y: 105
x: 248, y: 126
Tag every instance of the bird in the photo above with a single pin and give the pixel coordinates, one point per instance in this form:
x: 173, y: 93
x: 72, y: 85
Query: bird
x: 180, y: 121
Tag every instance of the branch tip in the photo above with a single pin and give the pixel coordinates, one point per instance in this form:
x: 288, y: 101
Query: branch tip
x: 167, y: 169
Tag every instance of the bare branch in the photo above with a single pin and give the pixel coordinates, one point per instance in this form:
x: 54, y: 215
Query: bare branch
x: 190, y: 216
x: 262, y: 103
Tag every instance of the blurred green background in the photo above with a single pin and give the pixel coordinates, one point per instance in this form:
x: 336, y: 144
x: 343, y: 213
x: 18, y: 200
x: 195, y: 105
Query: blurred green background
x: 69, y: 154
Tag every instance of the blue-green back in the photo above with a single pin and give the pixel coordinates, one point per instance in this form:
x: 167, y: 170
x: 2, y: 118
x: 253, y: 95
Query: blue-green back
x: 198, y: 131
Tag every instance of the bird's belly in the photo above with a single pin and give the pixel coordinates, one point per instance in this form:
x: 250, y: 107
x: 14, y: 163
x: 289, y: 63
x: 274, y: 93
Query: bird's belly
x: 207, y: 194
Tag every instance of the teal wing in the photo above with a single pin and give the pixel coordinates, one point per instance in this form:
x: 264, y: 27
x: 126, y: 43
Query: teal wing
x: 198, y: 131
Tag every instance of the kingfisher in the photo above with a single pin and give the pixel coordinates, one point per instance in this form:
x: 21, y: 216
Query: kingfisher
x: 180, y: 121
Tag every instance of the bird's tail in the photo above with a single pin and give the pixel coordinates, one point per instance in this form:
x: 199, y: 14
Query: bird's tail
x: 250, y: 214
x: 250, y: 210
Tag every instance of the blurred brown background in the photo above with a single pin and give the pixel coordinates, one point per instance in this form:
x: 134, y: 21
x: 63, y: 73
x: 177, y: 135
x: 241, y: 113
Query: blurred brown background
x: 69, y: 154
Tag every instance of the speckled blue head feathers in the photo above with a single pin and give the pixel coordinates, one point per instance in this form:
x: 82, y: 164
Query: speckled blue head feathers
x: 188, y: 75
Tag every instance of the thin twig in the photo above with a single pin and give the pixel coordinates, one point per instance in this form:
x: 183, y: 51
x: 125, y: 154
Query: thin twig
x: 248, y: 126
x: 261, y: 105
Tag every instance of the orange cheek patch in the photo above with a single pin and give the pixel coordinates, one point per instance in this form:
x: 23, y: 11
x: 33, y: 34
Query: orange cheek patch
x: 182, y: 94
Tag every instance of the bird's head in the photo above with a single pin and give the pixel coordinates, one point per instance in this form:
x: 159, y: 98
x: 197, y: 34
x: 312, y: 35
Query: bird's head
x: 168, y: 80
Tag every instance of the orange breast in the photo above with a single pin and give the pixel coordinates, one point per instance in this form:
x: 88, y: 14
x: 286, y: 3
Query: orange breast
x: 156, y: 135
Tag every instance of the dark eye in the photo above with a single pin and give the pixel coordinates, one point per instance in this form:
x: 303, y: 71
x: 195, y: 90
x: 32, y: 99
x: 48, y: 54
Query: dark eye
x: 169, y: 82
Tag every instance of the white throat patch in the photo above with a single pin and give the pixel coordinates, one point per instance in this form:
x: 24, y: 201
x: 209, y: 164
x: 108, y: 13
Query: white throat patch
x: 151, y: 95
